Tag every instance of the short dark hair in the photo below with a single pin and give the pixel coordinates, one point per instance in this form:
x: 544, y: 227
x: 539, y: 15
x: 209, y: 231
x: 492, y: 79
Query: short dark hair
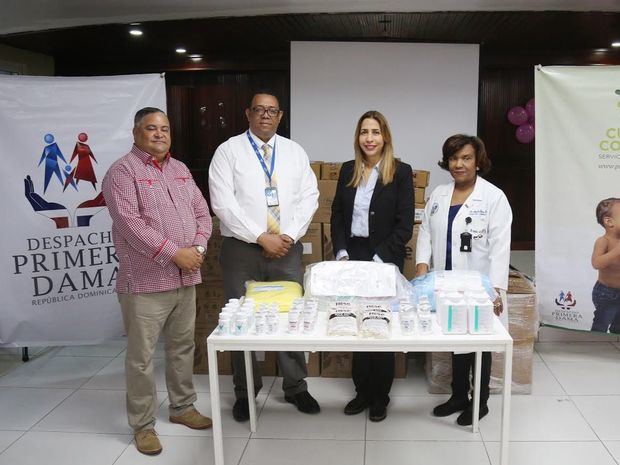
x: 456, y: 142
x: 266, y: 91
x: 140, y: 114
x: 603, y: 209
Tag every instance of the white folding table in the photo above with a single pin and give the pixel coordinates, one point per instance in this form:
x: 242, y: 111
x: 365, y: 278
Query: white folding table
x: 499, y: 341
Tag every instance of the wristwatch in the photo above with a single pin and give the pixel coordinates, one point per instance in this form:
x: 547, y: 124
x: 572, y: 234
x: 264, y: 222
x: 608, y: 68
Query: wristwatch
x: 201, y: 250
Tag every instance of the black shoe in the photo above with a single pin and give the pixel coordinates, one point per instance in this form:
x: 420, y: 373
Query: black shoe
x: 377, y: 412
x: 451, y: 406
x: 357, y: 405
x: 304, y: 401
x: 241, y: 410
x: 467, y: 416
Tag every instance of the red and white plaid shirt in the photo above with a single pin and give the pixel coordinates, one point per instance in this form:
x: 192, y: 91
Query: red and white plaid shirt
x: 156, y: 210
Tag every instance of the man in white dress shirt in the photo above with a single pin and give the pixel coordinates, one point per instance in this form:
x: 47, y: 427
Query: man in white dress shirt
x: 265, y: 194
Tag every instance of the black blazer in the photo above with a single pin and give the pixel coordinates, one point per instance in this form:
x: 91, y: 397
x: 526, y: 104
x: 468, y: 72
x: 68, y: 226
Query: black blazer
x: 390, y: 216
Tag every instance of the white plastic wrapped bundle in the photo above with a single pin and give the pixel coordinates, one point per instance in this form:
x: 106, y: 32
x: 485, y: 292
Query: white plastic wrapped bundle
x: 355, y: 278
x: 375, y: 320
x: 342, y: 318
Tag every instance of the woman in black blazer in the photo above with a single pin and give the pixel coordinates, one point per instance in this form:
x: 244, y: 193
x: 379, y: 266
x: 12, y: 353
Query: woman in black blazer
x: 372, y: 219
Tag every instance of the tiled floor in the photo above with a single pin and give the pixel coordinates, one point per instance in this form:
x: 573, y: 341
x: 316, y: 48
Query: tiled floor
x: 66, y: 406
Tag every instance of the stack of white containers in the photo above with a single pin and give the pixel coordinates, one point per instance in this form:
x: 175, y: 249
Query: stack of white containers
x: 463, y: 306
x: 302, y: 316
x: 238, y: 317
x: 416, y: 318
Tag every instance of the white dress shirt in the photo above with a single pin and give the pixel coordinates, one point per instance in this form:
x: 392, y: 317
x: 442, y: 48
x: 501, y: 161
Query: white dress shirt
x: 361, y: 207
x: 237, y: 188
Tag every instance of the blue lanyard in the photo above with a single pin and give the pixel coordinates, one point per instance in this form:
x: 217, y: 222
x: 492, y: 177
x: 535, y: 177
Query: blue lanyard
x: 268, y: 173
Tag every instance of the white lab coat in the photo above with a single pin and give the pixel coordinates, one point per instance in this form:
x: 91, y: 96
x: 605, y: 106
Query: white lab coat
x: 491, y: 219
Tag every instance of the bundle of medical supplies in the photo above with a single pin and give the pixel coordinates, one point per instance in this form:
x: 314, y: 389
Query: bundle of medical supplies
x: 463, y: 300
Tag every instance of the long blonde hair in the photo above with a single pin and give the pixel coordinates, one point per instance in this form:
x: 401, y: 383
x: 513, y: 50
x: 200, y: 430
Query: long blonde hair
x: 388, y: 161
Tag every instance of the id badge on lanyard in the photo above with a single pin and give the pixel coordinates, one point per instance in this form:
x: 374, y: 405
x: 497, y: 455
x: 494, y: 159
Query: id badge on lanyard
x: 466, y: 238
x: 271, y: 194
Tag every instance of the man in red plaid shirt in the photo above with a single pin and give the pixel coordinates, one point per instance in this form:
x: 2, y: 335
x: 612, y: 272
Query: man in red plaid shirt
x: 160, y: 227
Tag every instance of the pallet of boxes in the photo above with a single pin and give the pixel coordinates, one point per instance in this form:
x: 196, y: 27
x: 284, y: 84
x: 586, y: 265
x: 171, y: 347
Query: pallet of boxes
x: 338, y: 364
x: 523, y: 328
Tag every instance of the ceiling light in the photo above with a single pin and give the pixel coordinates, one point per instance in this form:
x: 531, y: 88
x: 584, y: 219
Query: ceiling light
x: 181, y: 50
x: 135, y: 32
x: 615, y: 44
x: 195, y: 55
x: 196, y: 58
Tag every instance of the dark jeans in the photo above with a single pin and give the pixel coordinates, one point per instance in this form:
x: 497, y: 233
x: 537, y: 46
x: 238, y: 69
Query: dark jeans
x: 243, y: 262
x: 372, y: 372
x: 607, y: 308
x: 462, y: 366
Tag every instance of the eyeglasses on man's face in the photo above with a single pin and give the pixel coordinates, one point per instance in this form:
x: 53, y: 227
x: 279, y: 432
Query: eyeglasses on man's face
x: 260, y: 110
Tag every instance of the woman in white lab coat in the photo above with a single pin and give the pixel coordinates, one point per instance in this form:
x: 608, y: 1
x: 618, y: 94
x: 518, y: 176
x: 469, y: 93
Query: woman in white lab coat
x: 466, y: 226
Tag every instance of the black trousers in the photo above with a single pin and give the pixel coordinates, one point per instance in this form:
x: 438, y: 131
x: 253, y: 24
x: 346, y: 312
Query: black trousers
x: 372, y: 372
x: 463, y: 366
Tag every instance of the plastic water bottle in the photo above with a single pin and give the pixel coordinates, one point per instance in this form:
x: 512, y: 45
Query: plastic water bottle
x: 425, y: 321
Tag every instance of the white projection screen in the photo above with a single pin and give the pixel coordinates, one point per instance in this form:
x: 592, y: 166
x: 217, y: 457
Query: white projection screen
x: 426, y: 91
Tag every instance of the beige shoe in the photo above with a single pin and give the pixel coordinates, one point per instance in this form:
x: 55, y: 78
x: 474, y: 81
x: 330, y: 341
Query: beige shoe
x: 147, y: 442
x: 193, y: 419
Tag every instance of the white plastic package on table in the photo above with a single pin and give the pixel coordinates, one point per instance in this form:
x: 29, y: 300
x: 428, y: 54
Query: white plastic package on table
x: 354, y: 278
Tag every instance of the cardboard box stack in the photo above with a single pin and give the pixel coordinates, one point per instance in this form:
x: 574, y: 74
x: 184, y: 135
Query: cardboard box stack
x: 409, y: 266
x: 420, y: 182
x: 210, y: 299
x: 523, y: 328
x: 317, y: 241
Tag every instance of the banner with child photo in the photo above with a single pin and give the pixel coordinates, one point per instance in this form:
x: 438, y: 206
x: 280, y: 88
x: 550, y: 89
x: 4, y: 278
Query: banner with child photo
x: 578, y: 196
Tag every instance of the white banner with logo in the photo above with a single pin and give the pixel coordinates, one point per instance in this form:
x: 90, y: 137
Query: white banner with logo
x: 577, y: 167
x: 58, y: 136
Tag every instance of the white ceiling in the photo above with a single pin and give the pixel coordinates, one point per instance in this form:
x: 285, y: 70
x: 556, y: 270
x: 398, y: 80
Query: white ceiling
x: 35, y: 15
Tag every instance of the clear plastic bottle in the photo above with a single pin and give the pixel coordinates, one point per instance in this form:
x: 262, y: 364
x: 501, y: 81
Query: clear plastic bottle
x: 425, y: 320
x: 407, y: 319
x: 294, y: 316
x: 271, y: 320
x: 260, y: 325
x: 309, y: 318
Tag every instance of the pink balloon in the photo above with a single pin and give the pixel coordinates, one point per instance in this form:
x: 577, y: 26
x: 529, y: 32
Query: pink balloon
x: 525, y: 133
x: 517, y: 116
x: 530, y: 109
